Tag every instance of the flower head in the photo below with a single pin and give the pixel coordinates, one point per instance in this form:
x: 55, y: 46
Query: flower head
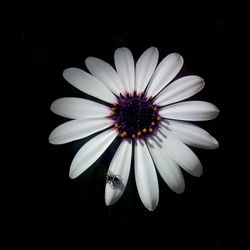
x: 145, y: 108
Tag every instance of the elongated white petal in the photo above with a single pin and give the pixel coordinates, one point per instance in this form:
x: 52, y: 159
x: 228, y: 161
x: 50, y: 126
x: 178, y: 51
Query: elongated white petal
x: 105, y: 73
x: 164, y: 73
x: 124, y: 63
x: 167, y: 167
x: 182, y: 154
x: 145, y: 67
x: 88, y: 84
x: 190, y: 111
x: 145, y: 176
x: 179, y: 90
x: 78, y: 129
x: 191, y: 134
x: 90, y: 152
x: 120, y: 167
x: 78, y: 108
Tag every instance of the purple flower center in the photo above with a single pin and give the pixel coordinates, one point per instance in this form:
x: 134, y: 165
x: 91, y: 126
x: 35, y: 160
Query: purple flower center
x: 135, y: 115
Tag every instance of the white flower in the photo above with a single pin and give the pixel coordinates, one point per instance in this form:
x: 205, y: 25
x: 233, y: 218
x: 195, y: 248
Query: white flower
x: 143, y: 109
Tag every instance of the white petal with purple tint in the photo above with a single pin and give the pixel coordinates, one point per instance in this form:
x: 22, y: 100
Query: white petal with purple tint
x: 167, y: 167
x: 78, y: 108
x: 119, y: 166
x: 181, y: 154
x: 164, y: 73
x: 145, y: 67
x: 90, y: 152
x: 105, y: 73
x: 124, y: 63
x: 191, y: 134
x: 190, y: 111
x: 78, y: 129
x: 145, y: 176
x: 88, y: 84
x: 179, y: 90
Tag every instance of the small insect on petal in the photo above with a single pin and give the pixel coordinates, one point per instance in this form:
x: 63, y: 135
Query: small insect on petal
x: 113, y: 180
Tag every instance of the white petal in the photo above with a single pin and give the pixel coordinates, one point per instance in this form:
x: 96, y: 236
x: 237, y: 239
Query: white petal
x: 164, y: 73
x: 190, y: 111
x: 105, y: 73
x: 90, y: 152
x: 167, y: 167
x: 179, y: 90
x: 78, y: 108
x: 125, y: 67
x: 145, y: 176
x: 191, y: 134
x: 88, y: 84
x: 182, y: 154
x: 145, y: 67
x: 78, y: 129
x: 120, y: 166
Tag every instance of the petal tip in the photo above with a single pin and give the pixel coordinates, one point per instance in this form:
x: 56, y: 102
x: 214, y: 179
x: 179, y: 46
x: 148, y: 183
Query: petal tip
x: 214, y: 142
x: 65, y: 72
x: 153, y: 48
x: 121, y: 49
x: 151, y: 206
x: 52, y: 106
x: 198, y: 172
x: 89, y: 60
x: 50, y: 139
x: 202, y: 83
x: 69, y: 72
x: 151, y: 209
x: 107, y: 202
x: 178, y: 57
x: 110, y: 197
x: 216, y: 110
x: 180, y: 189
x: 72, y: 175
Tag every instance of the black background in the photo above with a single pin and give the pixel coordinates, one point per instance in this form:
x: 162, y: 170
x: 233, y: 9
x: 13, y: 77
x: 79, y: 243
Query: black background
x: 59, y: 210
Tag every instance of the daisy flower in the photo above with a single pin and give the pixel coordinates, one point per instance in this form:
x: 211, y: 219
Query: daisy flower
x: 145, y: 109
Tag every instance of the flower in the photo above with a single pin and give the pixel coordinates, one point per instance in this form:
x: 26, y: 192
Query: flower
x: 145, y: 108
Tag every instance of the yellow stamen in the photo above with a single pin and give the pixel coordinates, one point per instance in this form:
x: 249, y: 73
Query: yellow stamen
x: 152, y: 123
x: 116, y: 125
x: 158, y: 118
x: 144, y: 130
x: 139, y: 133
x: 154, y: 108
x: 133, y: 136
x: 150, y: 130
